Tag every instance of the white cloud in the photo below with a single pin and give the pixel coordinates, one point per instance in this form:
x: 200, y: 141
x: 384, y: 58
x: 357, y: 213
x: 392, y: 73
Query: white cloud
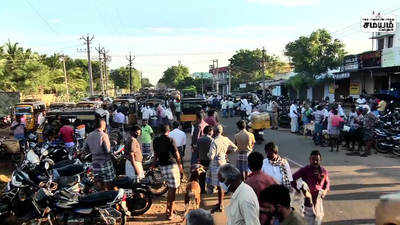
x: 287, y: 3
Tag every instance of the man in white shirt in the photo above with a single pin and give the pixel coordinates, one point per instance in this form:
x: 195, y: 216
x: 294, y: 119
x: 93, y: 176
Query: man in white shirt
x: 361, y: 100
x: 224, y: 108
x: 119, y: 118
x: 294, y: 125
x: 146, y: 113
x: 243, y: 208
x: 243, y: 107
x: 231, y: 108
x: 179, y: 138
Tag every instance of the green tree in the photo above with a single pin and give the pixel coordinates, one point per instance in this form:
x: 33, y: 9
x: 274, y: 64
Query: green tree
x: 146, y: 83
x: 246, y: 65
x: 120, y: 78
x: 173, y: 75
x: 315, y: 54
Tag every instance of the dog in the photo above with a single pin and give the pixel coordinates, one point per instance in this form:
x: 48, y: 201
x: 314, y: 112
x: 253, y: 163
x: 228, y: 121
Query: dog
x: 193, y: 190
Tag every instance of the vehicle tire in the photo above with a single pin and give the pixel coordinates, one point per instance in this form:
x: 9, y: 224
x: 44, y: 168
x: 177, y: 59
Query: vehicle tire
x: 396, y: 150
x: 139, y: 202
x: 383, y: 147
x: 15, y: 158
x: 157, y: 184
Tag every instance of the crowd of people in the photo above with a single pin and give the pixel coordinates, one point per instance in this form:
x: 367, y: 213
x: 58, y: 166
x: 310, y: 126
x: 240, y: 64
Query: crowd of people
x: 264, y: 189
x: 331, y: 125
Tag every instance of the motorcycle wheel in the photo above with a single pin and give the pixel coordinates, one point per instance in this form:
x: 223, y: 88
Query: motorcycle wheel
x: 139, y: 202
x: 382, y: 147
x: 15, y: 158
x: 158, y: 185
x: 396, y: 150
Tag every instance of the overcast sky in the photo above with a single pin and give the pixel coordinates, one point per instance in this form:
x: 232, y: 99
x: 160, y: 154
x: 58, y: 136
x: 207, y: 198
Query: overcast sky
x: 162, y: 32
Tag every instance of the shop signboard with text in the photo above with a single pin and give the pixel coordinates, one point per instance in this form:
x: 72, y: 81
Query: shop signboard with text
x: 350, y: 63
x: 390, y: 57
x: 355, y: 88
x: 370, y: 59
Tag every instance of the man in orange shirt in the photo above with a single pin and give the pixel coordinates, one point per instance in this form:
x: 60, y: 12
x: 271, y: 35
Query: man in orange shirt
x: 245, y: 141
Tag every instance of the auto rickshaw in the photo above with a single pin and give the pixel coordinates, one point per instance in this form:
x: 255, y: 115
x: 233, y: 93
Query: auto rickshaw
x: 132, y: 107
x: 79, y: 117
x: 61, y: 105
x: 190, y: 106
x: 30, y: 110
x: 88, y: 105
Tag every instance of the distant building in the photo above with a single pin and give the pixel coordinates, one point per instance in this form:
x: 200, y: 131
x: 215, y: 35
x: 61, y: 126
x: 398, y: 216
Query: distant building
x: 221, y: 79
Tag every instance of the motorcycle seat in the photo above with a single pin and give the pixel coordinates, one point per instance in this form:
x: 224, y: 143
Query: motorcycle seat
x: 123, y: 182
x: 70, y: 170
x: 98, y: 199
x: 68, y: 181
x: 63, y: 163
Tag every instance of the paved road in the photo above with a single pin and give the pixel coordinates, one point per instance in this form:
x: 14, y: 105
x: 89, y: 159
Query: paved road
x: 356, y: 182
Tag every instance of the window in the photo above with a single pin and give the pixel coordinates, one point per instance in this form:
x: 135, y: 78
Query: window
x: 381, y: 41
x: 390, y: 42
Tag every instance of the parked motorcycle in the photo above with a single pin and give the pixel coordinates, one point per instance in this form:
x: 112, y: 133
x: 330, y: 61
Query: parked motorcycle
x: 5, y: 122
x: 153, y: 177
x: 5, y: 152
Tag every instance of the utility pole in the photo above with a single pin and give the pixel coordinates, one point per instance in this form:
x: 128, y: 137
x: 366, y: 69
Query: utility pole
x: 229, y: 81
x: 215, y: 67
x: 65, y: 77
x: 130, y: 59
x: 100, y: 50
x: 263, y: 71
x: 87, y: 41
x: 106, y: 59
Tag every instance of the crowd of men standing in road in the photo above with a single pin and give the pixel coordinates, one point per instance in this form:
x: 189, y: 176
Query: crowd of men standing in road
x: 263, y: 189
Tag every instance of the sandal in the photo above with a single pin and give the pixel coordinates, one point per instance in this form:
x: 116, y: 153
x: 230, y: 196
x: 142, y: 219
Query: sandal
x: 174, y: 216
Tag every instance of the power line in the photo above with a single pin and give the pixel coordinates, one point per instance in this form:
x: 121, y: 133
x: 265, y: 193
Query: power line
x: 130, y: 59
x: 41, y: 17
x: 87, y: 41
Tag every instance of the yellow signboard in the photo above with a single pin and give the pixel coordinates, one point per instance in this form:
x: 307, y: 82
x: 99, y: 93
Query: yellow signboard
x: 332, y: 89
x: 354, y: 88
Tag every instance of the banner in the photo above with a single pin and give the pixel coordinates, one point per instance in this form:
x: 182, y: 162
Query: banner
x: 354, y: 88
x: 378, y: 23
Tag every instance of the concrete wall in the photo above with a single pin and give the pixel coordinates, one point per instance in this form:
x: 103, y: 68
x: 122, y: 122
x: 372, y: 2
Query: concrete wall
x: 396, y: 39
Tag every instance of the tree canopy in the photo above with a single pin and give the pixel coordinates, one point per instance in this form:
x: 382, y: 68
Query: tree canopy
x: 173, y: 75
x: 120, y: 78
x: 246, y: 66
x: 31, y: 73
x: 316, y: 53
